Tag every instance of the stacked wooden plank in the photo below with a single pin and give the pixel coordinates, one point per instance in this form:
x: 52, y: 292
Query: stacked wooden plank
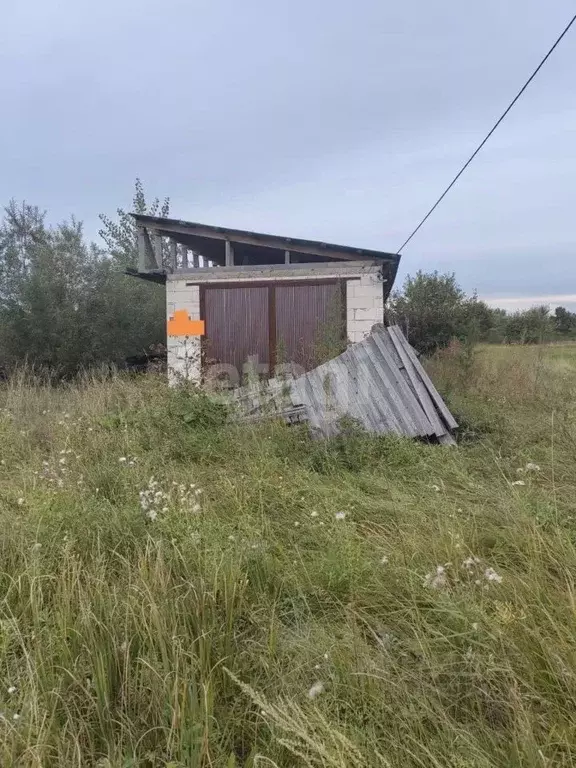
x: 378, y: 382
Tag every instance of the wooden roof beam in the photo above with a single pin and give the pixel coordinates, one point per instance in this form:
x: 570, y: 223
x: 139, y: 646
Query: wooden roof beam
x: 170, y: 228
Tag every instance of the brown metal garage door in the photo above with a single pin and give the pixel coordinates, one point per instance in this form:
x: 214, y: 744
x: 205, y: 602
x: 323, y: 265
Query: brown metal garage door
x: 298, y: 322
x: 237, y: 325
x: 310, y: 322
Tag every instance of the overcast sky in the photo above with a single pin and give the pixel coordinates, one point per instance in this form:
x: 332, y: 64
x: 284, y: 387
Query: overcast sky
x: 324, y: 119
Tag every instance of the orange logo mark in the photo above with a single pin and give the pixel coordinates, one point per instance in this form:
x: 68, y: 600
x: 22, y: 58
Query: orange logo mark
x: 180, y: 324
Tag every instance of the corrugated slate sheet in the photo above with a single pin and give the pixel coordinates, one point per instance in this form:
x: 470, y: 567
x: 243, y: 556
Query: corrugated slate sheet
x: 378, y: 382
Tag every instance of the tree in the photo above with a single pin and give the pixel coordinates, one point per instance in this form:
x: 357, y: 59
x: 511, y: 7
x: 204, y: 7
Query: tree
x: 135, y: 309
x: 430, y: 308
x: 49, y: 278
x: 478, y: 319
x: 532, y: 326
x: 564, y: 321
x: 66, y: 304
x: 120, y: 235
x: 22, y: 229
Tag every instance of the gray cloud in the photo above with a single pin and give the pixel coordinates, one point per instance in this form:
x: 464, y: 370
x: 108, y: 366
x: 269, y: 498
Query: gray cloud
x: 335, y: 120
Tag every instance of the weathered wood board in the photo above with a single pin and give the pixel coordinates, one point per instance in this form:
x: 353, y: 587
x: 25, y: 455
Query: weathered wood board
x: 378, y: 382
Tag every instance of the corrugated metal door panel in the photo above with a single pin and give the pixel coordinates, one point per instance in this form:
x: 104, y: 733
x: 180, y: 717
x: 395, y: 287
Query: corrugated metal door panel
x: 237, y: 325
x: 310, y: 322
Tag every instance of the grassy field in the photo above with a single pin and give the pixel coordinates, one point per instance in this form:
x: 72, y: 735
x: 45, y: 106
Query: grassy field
x: 176, y: 591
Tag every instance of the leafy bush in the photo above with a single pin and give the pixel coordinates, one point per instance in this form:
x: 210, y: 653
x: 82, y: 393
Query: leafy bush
x: 433, y: 310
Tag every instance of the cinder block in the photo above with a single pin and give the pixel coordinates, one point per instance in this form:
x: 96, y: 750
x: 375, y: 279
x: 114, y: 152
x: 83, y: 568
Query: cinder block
x: 364, y: 325
x: 192, y: 309
x: 359, y: 302
x: 367, y: 291
x: 185, y: 292
x: 357, y: 336
x: 370, y: 315
x: 355, y: 328
x: 351, y: 286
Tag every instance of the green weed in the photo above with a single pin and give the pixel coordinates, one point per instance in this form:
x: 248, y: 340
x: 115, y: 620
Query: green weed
x: 180, y: 590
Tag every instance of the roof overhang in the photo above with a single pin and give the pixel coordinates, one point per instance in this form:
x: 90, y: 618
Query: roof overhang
x: 206, y: 237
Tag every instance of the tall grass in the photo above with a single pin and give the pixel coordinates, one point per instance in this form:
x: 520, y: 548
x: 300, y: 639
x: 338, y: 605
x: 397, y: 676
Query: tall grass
x: 151, y: 623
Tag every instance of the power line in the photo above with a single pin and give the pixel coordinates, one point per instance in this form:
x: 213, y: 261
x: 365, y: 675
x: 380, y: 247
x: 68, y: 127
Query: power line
x: 494, y: 127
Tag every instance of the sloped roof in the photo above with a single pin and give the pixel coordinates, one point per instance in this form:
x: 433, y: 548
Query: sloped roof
x: 194, y: 232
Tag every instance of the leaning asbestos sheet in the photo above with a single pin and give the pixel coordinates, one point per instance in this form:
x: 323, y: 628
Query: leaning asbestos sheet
x: 378, y: 382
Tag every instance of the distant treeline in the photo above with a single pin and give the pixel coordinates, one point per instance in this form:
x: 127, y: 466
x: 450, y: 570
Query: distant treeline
x: 66, y: 304
x: 434, y: 310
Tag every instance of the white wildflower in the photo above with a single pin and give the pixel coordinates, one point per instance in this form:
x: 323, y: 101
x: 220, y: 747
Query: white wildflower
x: 385, y: 638
x: 15, y: 716
x: 316, y: 690
x: 491, y: 575
x: 518, y: 482
x: 313, y: 513
x: 436, y: 580
x: 384, y: 560
x: 316, y: 666
x: 340, y: 515
x: 326, y: 656
x: 436, y: 488
x: 196, y: 508
x: 470, y: 562
x: 531, y: 467
x: 152, y: 514
x: 231, y: 538
x: 37, y: 546
x: 122, y: 459
x: 20, y: 501
x: 11, y: 689
x: 164, y: 509
x: 198, y: 491
x: 475, y: 626
x: 296, y: 524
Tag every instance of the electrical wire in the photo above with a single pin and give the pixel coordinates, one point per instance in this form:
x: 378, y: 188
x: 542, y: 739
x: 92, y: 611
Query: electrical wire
x: 488, y: 135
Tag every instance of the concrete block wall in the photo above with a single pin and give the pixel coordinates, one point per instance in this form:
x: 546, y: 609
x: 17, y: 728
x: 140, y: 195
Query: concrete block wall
x: 183, y: 352
x: 364, y: 304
